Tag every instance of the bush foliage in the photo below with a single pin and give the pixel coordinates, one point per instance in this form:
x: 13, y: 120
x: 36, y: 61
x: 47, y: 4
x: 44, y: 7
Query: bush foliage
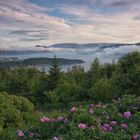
x: 15, y: 111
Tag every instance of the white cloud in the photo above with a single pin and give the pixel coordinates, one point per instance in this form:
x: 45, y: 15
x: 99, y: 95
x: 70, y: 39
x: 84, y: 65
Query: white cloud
x: 122, y: 49
x: 81, y: 24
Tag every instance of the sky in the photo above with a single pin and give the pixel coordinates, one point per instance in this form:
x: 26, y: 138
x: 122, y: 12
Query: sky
x: 27, y: 23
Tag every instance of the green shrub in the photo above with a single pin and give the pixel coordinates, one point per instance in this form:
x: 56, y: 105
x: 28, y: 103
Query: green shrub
x: 23, y: 104
x: 14, y: 111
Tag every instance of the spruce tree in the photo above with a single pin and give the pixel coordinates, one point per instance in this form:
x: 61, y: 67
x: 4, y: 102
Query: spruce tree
x: 54, y: 74
x: 94, y: 72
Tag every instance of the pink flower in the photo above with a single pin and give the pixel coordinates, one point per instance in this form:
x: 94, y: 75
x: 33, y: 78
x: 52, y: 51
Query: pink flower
x: 119, y: 114
x: 127, y: 114
x: 113, y: 123
x: 20, y: 133
x: 45, y: 119
x: 60, y: 119
x: 31, y: 134
x: 107, y: 128
x: 92, y: 126
x: 82, y: 126
x: 104, y: 128
x: 110, y: 129
x: 107, y: 117
x: 135, y: 137
x: 91, y: 111
x: 106, y: 125
x: 65, y: 121
x: 124, y: 126
x: 55, y: 138
x: 73, y: 109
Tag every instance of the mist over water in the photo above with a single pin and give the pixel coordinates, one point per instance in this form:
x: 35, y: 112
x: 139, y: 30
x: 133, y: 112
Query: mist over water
x: 106, y: 53
x: 87, y: 58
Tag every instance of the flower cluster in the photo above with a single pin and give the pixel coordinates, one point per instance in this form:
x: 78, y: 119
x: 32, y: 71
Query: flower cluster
x: 20, y: 133
x: 82, y: 126
x: 73, y: 109
x: 107, y: 128
x: 124, y: 126
x: 113, y: 123
x: 45, y: 119
x: 59, y: 119
x: 92, y: 119
x: 127, y: 114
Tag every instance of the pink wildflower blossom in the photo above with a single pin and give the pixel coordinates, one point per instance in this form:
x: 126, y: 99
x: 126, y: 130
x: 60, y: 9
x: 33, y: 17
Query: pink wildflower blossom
x: 20, y: 133
x: 91, y: 111
x: 31, y: 134
x: 45, y: 119
x: 135, y: 137
x: 55, y: 138
x: 113, y: 123
x: 107, y: 128
x: 92, y: 126
x: 65, y: 121
x: 127, y: 114
x: 60, y: 119
x: 82, y: 126
x: 107, y: 117
x: 120, y: 115
x: 124, y: 126
x: 73, y: 109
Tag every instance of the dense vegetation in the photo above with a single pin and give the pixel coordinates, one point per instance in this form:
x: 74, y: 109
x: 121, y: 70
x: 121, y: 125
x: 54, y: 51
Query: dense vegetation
x: 96, y: 121
x: 22, y: 87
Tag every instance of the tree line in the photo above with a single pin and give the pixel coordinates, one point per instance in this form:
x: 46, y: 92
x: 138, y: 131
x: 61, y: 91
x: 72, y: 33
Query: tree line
x: 102, y: 82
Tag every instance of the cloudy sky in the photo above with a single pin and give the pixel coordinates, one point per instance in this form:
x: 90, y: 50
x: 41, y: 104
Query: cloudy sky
x: 26, y: 23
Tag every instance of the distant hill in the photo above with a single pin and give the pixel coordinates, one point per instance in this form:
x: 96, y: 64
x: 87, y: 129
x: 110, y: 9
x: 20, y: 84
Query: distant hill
x: 11, y: 62
x: 138, y: 44
x: 14, y: 52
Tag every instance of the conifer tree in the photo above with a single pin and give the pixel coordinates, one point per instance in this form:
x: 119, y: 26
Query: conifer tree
x: 54, y: 74
x: 94, y: 72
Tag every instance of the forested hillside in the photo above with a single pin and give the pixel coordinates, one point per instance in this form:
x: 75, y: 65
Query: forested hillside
x: 104, y: 101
